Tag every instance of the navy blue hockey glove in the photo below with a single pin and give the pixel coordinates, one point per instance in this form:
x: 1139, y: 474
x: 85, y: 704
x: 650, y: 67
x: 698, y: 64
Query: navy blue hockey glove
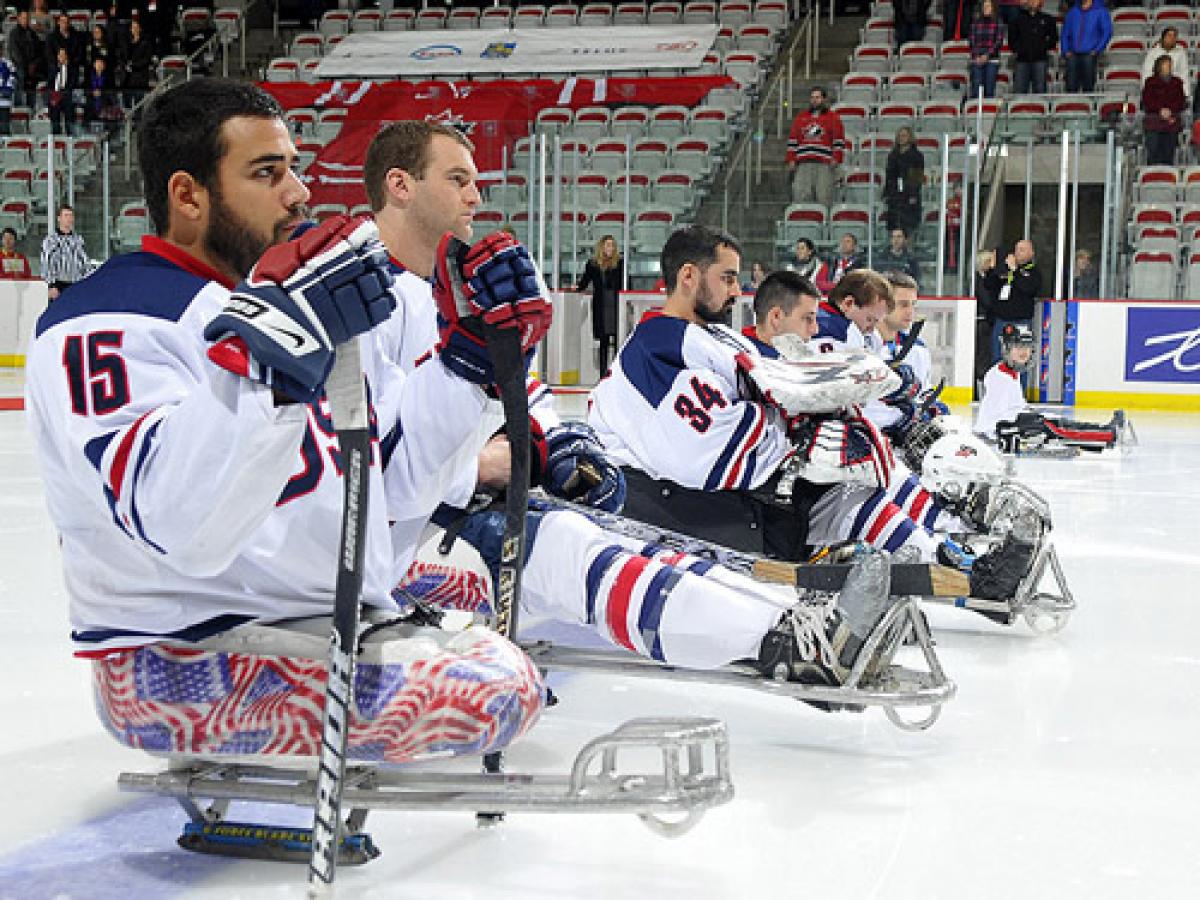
x: 898, y: 430
x: 575, y: 467
x: 494, y: 281
x: 909, y: 388
x: 301, y: 300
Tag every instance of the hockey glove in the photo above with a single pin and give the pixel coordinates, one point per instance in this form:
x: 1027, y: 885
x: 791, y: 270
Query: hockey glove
x: 909, y: 388
x: 897, y: 431
x: 301, y: 300
x: 575, y: 467
x: 493, y: 282
x: 849, y: 450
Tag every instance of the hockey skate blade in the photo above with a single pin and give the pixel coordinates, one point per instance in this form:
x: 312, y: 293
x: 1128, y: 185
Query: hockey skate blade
x: 248, y: 841
x: 908, y: 579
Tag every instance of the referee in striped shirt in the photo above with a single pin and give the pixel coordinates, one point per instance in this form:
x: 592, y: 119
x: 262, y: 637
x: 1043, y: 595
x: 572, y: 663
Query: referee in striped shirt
x: 64, y: 259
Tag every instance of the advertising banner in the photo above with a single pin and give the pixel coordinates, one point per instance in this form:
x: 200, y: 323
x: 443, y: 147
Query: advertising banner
x: 390, y: 54
x: 1162, y: 344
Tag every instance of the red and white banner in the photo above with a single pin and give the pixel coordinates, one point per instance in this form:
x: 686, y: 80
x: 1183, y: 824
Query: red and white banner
x: 389, y: 54
x: 493, y: 114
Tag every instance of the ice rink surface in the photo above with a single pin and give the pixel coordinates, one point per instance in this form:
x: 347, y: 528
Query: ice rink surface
x: 1065, y: 768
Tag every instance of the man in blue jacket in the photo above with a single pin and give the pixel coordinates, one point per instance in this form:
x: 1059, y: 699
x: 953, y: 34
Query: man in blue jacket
x: 1085, y: 35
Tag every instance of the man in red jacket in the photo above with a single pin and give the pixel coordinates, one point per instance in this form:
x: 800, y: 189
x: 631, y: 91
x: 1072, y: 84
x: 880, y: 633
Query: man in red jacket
x: 815, y: 148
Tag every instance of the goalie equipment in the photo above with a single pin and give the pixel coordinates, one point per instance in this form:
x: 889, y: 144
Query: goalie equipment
x: 849, y: 450
x: 823, y: 383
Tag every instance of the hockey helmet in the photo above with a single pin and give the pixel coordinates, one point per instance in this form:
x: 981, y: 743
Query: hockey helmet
x: 1012, y: 335
x: 953, y: 463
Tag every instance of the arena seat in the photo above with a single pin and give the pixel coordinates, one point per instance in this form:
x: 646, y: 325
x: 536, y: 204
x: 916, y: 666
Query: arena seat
x: 1157, y: 184
x: 461, y: 19
x: 1152, y: 276
x: 594, y: 14
x: 675, y: 190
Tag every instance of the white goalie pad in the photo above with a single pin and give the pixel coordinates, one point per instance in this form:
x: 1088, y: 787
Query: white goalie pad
x: 820, y: 382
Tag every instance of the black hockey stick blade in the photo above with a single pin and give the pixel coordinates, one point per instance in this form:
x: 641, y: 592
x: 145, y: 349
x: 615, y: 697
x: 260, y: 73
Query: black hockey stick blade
x: 930, y: 399
x: 908, y: 579
x: 348, y: 405
x: 910, y: 341
x: 504, y: 347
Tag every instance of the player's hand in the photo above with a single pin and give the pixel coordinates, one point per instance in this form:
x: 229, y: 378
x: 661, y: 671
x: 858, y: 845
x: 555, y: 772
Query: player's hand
x: 848, y: 449
x: 301, y: 300
x: 574, y: 466
x: 494, y: 465
x: 493, y: 282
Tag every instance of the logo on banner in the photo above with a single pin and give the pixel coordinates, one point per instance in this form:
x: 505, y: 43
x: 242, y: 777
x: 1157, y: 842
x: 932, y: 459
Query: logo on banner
x: 1163, y: 345
x: 435, y: 51
x: 454, y: 120
x: 499, y: 50
x: 676, y: 47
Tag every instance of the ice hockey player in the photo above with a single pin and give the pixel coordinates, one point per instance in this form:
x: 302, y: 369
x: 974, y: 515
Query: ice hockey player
x: 703, y: 450
x: 782, y: 305
x: 1005, y: 416
x: 848, y: 317
x: 420, y: 180
x: 191, y: 470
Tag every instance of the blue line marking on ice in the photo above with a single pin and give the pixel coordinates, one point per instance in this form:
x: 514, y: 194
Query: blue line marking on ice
x: 123, y: 854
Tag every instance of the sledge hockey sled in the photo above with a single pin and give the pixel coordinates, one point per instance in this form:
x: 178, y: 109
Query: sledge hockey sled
x: 693, y: 776
x: 1059, y: 443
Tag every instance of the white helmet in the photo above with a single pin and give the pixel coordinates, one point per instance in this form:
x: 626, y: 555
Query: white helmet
x: 957, y: 464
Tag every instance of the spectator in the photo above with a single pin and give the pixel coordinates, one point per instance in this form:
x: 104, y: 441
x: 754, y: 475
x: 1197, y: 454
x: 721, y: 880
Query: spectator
x: 904, y: 176
x: 1018, y: 285
x: 605, y: 274
x: 1163, y: 103
x: 1085, y: 35
x: 807, y: 263
x: 757, y: 274
x: 64, y: 259
x: 815, y: 147
x: 13, y: 264
x: 987, y: 37
x: 1085, y: 280
x: 137, y: 64
x: 157, y: 18
x: 987, y: 286
x: 60, y: 94
x: 99, y: 48
x: 1031, y: 35
x: 8, y: 87
x: 956, y: 19
x: 847, y: 259
x: 64, y: 37
x: 100, y: 106
x: 897, y: 257
x: 1168, y: 45
x: 1010, y: 9
x: 25, y: 50
x: 954, y: 211
x: 40, y: 19
x: 910, y: 17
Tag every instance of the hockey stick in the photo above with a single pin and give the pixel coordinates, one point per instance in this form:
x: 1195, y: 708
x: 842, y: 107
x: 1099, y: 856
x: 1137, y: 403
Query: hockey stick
x: 348, y: 405
x: 910, y: 341
x: 508, y: 363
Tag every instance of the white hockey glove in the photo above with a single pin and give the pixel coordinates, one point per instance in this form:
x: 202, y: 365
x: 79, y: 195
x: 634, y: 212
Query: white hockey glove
x: 847, y: 450
x: 819, y: 383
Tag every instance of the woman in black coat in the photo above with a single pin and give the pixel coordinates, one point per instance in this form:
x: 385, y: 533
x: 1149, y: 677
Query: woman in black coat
x: 604, y: 273
x: 903, y: 177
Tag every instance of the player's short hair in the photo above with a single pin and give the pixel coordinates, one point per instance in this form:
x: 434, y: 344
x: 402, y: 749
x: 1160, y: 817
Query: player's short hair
x: 898, y: 279
x: 403, y: 145
x: 863, y: 286
x: 64, y: 207
x: 781, y: 289
x: 9, y: 230
x: 695, y: 244
x: 181, y: 131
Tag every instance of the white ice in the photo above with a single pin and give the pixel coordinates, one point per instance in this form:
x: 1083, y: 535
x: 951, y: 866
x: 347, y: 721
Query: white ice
x: 1065, y: 768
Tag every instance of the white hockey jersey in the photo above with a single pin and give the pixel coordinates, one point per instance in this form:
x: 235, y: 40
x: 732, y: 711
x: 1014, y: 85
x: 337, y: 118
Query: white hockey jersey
x: 673, y: 407
x: 184, y: 498
x: 919, y: 359
x: 1003, y: 399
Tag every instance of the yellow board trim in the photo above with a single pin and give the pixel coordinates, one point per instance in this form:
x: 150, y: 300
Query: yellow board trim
x: 568, y: 376
x: 12, y: 360
x: 1130, y: 400
x: 956, y: 395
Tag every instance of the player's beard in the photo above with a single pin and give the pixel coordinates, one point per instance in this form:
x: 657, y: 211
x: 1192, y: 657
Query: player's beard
x: 234, y: 241
x: 704, y: 311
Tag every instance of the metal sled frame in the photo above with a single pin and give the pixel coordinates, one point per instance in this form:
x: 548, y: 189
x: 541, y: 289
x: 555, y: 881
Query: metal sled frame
x: 1015, y: 507
x: 694, y: 776
x: 874, y: 680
